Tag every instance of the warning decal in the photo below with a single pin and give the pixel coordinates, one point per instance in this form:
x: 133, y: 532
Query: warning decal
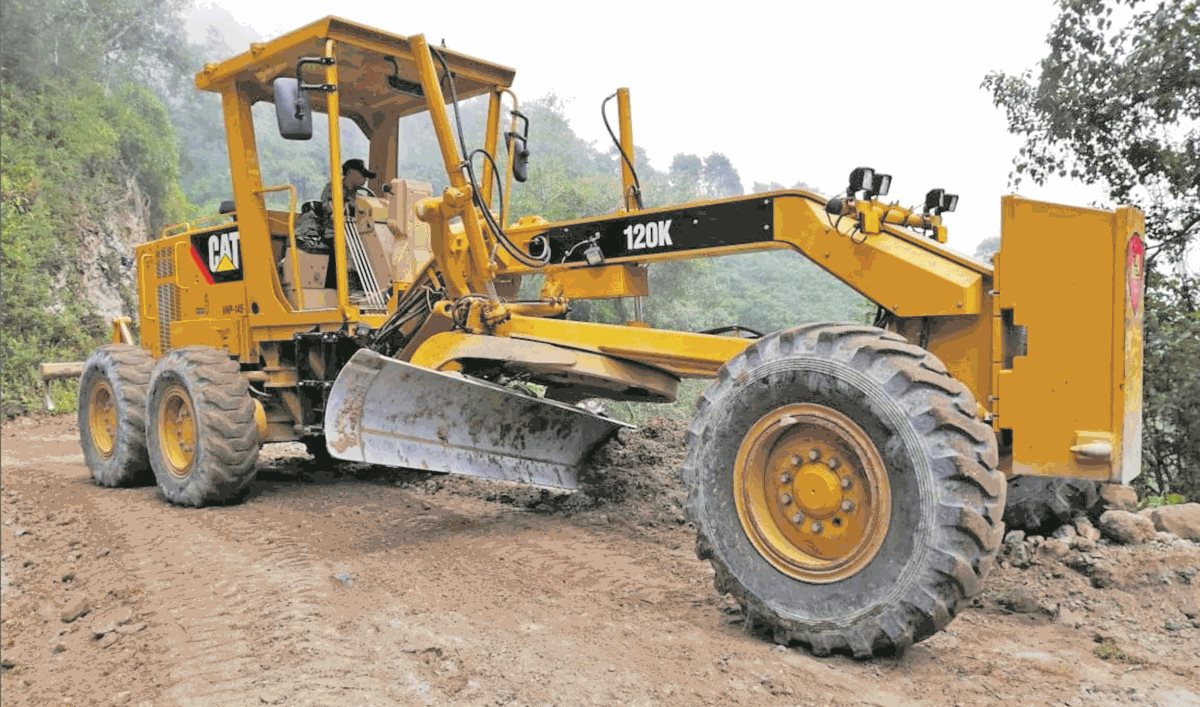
x: 1135, y: 267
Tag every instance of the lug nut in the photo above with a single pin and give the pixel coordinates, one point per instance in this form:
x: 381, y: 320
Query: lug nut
x: 785, y: 499
x: 785, y: 478
x: 833, y: 463
x: 846, y: 482
x: 814, y: 455
x: 817, y: 527
x: 796, y: 460
x: 798, y: 518
x: 847, y: 505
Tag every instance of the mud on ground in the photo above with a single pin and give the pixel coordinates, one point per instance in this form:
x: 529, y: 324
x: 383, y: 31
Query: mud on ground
x: 355, y: 585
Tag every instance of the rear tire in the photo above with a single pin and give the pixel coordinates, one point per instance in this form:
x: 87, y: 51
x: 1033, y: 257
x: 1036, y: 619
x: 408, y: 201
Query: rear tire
x: 927, y: 530
x: 202, y: 438
x: 112, y: 414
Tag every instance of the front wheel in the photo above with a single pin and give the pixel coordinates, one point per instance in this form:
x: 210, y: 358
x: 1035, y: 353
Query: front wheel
x: 202, y: 435
x: 843, y: 489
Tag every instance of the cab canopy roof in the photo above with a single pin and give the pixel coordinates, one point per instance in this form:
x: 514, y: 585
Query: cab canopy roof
x: 364, y: 64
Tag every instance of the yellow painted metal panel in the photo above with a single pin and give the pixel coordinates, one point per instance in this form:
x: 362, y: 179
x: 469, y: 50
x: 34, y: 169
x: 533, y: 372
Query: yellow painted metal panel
x: 1062, y: 272
x: 683, y: 354
x: 906, y: 278
x: 598, y: 283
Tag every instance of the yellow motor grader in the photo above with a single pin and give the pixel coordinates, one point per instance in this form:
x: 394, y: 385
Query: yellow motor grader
x: 846, y: 480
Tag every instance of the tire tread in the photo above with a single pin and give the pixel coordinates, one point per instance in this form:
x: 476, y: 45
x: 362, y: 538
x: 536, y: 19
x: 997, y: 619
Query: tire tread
x: 942, y: 409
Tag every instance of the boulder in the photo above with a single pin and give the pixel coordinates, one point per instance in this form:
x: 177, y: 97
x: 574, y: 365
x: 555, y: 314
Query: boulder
x: 1182, y: 520
x: 1055, y: 548
x: 1064, y: 533
x: 1039, y: 504
x: 73, y: 611
x: 1085, y: 529
x: 1020, y: 601
x: 1013, y: 537
x: 1126, y: 528
x: 1083, y: 544
x: 1118, y: 497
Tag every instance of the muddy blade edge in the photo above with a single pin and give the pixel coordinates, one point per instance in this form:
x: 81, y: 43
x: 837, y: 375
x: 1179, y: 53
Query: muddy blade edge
x: 385, y: 411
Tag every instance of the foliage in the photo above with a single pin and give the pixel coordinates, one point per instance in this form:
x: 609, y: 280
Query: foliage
x: 76, y: 131
x: 1171, y: 499
x: 987, y: 248
x: 1106, y: 649
x: 1171, y: 387
x: 108, y: 41
x: 1117, y: 106
x: 1116, y: 102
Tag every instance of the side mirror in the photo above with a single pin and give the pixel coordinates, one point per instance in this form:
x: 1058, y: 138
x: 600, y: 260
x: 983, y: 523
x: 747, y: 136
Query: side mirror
x: 292, y: 111
x: 518, y: 149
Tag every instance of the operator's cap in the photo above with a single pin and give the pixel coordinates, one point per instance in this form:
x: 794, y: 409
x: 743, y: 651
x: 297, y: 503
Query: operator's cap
x: 357, y: 164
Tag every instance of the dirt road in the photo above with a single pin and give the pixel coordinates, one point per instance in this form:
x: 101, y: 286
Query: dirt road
x: 365, y: 587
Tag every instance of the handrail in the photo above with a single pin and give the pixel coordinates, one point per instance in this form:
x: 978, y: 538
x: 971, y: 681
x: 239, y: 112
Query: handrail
x: 297, y: 286
x: 185, y: 226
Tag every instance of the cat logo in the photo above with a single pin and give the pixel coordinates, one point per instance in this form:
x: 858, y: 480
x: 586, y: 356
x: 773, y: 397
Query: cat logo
x: 218, y: 256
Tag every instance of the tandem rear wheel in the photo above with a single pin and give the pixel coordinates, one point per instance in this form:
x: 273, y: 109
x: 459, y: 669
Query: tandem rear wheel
x: 843, y: 489
x: 202, y: 436
x: 112, y: 414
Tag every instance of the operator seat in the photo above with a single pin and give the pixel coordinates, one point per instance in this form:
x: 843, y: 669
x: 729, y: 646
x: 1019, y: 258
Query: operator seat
x: 411, y: 250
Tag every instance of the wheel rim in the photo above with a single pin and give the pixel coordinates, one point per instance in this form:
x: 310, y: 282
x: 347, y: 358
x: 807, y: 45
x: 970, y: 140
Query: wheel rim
x: 812, y: 492
x: 102, y: 418
x: 177, y: 431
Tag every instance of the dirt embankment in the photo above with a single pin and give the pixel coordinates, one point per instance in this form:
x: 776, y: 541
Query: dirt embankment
x: 354, y: 585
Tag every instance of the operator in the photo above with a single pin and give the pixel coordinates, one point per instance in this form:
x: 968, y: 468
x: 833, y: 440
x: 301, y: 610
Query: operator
x: 314, y: 232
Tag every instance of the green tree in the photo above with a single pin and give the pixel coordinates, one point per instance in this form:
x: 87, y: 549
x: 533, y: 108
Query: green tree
x: 1116, y: 102
x: 720, y: 178
x: 987, y: 248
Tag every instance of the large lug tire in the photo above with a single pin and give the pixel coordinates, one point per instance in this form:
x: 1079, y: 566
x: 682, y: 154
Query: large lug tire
x: 202, y: 438
x: 112, y: 414
x: 1039, y: 504
x: 868, y: 437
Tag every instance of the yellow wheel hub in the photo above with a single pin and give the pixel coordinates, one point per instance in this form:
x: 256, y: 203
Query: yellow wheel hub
x: 812, y: 492
x: 177, y: 431
x: 102, y: 418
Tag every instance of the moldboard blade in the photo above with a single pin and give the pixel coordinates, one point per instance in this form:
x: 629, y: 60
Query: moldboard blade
x: 385, y: 411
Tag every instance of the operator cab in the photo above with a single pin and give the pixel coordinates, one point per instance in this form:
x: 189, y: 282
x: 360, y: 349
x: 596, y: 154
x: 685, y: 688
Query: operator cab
x: 339, y: 90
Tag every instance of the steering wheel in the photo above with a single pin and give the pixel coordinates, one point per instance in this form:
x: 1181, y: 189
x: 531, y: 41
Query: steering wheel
x: 367, y: 189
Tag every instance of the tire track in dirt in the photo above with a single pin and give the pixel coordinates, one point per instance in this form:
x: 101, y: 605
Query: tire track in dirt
x: 243, y: 604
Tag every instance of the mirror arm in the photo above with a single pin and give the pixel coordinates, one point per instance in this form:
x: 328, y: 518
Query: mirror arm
x: 318, y: 61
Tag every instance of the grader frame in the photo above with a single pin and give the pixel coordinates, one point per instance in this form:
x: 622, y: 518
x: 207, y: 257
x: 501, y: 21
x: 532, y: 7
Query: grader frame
x: 1027, y: 367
